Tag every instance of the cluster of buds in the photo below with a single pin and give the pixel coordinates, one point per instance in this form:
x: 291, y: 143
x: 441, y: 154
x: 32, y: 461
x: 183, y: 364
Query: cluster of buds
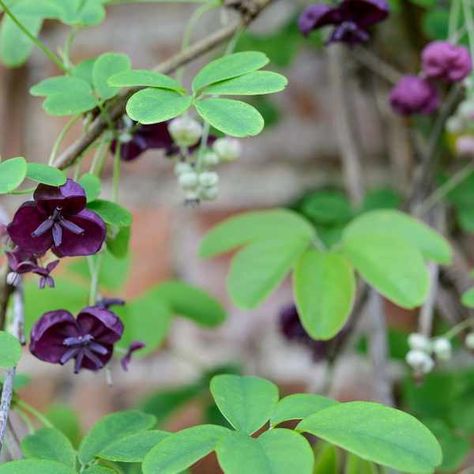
x: 195, y: 173
x: 423, y: 352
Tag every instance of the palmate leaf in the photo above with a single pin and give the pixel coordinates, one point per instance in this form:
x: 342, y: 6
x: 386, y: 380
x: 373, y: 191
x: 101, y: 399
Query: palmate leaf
x: 10, y: 350
x: 35, y: 466
x: 45, y: 174
x: 106, y: 66
x: 12, y: 174
x: 144, y: 78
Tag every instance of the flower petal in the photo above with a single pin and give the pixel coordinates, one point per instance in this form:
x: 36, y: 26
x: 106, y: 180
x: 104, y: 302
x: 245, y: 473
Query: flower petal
x: 87, y: 243
x: 133, y: 347
x: 105, y: 326
x: 70, y: 197
x: 364, y: 12
x: 317, y: 16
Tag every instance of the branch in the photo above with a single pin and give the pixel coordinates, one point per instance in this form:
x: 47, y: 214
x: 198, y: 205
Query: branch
x: 249, y: 10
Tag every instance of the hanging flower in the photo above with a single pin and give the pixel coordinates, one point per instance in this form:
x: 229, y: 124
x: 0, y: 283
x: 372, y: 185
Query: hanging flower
x: 58, y: 337
x: 57, y: 219
x: 414, y: 95
x: 127, y: 358
x: 446, y: 61
x: 350, y: 19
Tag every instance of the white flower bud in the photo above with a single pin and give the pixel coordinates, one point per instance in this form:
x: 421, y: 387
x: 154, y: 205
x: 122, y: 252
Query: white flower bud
x: 13, y: 278
x: 210, y: 159
x: 209, y: 194
x: 469, y: 341
x: 442, y: 348
x: 466, y: 109
x: 181, y: 168
x: 208, y: 179
x: 188, y: 181
x: 465, y: 146
x: 419, y: 342
x: 419, y: 361
x: 227, y: 149
x: 185, y: 131
x: 455, y: 124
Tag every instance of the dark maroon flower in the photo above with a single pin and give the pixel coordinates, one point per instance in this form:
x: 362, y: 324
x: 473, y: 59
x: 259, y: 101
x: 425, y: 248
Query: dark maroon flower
x: 106, y: 303
x: 57, y: 219
x: 20, y: 262
x: 127, y: 358
x: 446, y: 61
x: 57, y: 337
x: 414, y: 95
x: 350, y: 19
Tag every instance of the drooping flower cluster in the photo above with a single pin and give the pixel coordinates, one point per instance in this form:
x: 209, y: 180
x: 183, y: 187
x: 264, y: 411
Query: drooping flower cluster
x: 350, y: 19
x: 441, y: 61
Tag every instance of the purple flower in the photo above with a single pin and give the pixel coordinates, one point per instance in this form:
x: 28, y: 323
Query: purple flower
x: 446, y: 61
x: 127, y: 358
x: 57, y: 219
x: 20, y: 262
x: 351, y: 19
x: 57, y: 337
x: 414, y: 95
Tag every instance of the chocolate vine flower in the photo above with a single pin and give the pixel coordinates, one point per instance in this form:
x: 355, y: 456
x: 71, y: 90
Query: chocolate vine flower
x: 414, y: 95
x: 58, y: 337
x: 446, y: 61
x: 57, y: 219
x: 20, y: 262
x: 350, y: 19
x: 127, y: 358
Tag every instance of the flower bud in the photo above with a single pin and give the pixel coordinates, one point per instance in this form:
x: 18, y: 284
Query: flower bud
x: 13, y: 278
x: 181, y: 168
x: 228, y: 149
x: 419, y: 361
x: 185, y: 131
x: 469, y: 341
x: 210, y: 159
x: 188, y: 181
x: 414, y: 95
x: 442, y: 348
x: 419, y: 342
x: 209, y: 194
x: 208, y: 179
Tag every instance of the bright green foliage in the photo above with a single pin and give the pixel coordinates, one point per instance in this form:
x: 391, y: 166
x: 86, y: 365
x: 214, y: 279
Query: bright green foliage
x: 92, y: 186
x: 326, y: 459
x: 246, y: 402
x: 118, y: 240
x: 324, y: 287
x: 34, y: 466
x: 299, y: 406
x: 112, y: 428
x: 81, y: 12
x: 106, y: 66
x: 12, y: 174
x: 468, y: 298
x: 50, y: 444
x: 144, y: 78
x: 181, y: 450
x: 377, y: 433
x: 111, y: 212
x: 97, y: 469
x: 65, y: 419
x: 279, y: 451
x: 45, y: 174
x: 10, y: 350
x: 157, y: 105
x: 356, y: 465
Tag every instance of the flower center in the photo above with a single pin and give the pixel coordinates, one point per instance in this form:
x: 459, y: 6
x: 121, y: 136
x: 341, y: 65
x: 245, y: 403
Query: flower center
x: 55, y: 223
x: 80, y: 347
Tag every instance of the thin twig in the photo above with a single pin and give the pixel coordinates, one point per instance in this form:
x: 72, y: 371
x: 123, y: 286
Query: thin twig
x: 379, y: 67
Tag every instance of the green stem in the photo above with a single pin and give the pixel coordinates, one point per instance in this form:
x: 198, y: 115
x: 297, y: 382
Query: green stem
x: 117, y: 170
x: 470, y: 25
x: 22, y: 405
x: 454, y: 331
x: 50, y: 54
x: 99, y: 157
x: 454, y: 14
x: 94, y: 268
x: 60, y: 138
x: 68, y: 46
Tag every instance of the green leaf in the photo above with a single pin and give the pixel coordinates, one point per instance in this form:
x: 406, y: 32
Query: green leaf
x: 181, y: 450
x: 34, y: 466
x: 65, y: 419
x: 377, y: 433
x: 391, y: 265
x: 299, y: 406
x: 133, y: 448
x: 106, y: 66
x: 45, y: 174
x: 84, y: 69
x: 157, y: 105
x: 324, y: 287
x: 96, y: 469
x: 82, y: 12
x: 246, y: 402
x: 92, y: 186
x: 261, y: 267
x: 65, y: 95
x: 397, y: 224
x: 12, y: 174
x: 467, y: 298
x: 279, y: 451
x: 191, y: 302
x: 15, y: 46
x: 253, y: 226
x: 112, y: 213
x: 356, y: 465
x: 112, y: 428
x: 327, y: 208
x: 50, y: 444
x: 227, y: 67
x: 144, y: 78
x: 232, y: 117
x: 118, y: 241
x: 10, y: 350
x: 326, y: 459
x: 254, y: 83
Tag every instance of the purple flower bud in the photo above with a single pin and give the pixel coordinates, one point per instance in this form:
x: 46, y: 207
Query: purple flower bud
x: 127, y: 358
x: 446, y: 61
x: 57, y: 219
x: 317, y: 16
x: 58, y: 337
x: 414, y: 95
